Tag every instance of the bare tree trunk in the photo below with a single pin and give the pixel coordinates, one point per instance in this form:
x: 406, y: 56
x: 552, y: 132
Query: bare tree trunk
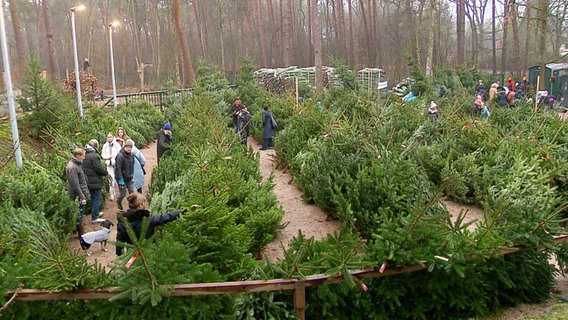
x: 543, y: 32
x: 39, y: 14
x: 493, y: 38
x: 205, y: 23
x: 19, y: 37
x: 261, y: 36
x: 560, y: 20
x: 504, y: 57
x: 528, y: 14
x: 317, y: 47
x: 460, y: 31
x: 418, y: 34
x: 342, y: 39
x: 274, y: 40
x: 53, y: 61
x: 288, y: 34
x: 373, y: 30
x: 310, y: 23
x: 516, y: 41
x: 351, y: 49
x: 366, y: 28
x: 222, y: 39
x: 431, y: 37
x: 189, y: 75
x: 135, y: 28
x: 198, y: 27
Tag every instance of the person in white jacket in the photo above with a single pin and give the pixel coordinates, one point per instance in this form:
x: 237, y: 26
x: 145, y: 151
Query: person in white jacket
x: 110, y: 150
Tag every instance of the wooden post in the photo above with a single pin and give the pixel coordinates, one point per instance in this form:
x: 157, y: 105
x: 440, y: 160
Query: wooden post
x: 297, y: 93
x: 300, y: 300
x: 536, y: 93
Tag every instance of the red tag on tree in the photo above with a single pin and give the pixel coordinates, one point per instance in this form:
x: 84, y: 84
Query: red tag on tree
x: 363, y: 286
x: 131, y: 260
x: 383, y: 267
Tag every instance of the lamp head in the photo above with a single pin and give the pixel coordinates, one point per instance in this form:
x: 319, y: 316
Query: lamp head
x: 114, y: 24
x: 78, y: 8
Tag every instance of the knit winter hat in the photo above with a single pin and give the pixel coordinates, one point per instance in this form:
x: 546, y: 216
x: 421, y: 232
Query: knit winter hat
x: 94, y: 143
x: 129, y: 142
x: 167, y: 126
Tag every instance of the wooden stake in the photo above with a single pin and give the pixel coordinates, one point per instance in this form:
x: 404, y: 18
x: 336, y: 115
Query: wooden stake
x: 297, y: 94
x: 300, y: 300
x: 536, y: 94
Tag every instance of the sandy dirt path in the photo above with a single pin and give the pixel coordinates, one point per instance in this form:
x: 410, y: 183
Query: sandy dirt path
x: 298, y: 215
x: 110, y: 210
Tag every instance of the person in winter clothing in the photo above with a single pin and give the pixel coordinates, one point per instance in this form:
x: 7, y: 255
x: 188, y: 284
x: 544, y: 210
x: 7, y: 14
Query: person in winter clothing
x: 110, y: 150
x: 492, y: 92
x: 135, y: 216
x: 165, y: 140
x: 511, y: 98
x: 77, y: 181
x: 234, y: 110
x: 125, y: 171
x: 510, y: 84
x: 139, y: 163
x: 480, y: 89
x: 502, y: 100
x: 268, y: 129
x: 95, y: 173
x: 485, y: 113
x: 121, y: 134
x: 433, y: 111
x: 477, y: 106
x: 244, y: 122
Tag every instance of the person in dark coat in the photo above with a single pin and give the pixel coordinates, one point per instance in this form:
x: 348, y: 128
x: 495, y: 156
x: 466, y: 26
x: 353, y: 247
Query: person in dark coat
x: 502, y: 99
x: 234, y: 111
x: 95, y: 173
x: 135, y: 215
x: 77, y: 182
x: 244, y: 123
x: 165, y: 140
x: 268, y: 124
x: 124, y: 171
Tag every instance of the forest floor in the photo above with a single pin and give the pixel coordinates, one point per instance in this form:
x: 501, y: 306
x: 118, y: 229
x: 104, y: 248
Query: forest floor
x: 304, y: 217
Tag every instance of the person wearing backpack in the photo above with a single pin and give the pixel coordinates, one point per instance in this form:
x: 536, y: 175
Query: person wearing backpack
x: 268, y: 124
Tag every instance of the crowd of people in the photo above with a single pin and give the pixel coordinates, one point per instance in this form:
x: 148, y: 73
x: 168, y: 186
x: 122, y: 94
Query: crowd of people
x: 242, y: 123
x: 119, y: 161
x: 510, y: 95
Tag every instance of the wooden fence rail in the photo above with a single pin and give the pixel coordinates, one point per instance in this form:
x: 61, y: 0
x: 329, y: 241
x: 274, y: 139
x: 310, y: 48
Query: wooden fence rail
x: 200, y: 289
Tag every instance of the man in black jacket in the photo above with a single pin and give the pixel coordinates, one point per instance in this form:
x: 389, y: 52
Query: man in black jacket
x: 165, y: 140
x: 95, y: 173
x: 124, y: 172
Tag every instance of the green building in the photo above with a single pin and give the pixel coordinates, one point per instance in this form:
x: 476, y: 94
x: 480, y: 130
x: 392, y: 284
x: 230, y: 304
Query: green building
x: 555, y: 79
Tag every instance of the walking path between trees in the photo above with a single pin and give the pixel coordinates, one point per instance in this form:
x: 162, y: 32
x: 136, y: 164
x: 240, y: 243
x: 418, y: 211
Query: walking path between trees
x: 298, y: 215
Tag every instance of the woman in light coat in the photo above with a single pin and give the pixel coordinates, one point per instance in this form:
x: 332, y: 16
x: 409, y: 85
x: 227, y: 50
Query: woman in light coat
x: 139, y: 163
x: 110, y: 150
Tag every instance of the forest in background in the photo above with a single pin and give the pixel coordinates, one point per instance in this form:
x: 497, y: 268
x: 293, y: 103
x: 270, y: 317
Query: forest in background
x: 503, y: 36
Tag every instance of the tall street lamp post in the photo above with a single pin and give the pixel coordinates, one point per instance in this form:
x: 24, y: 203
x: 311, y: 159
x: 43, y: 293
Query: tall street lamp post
x: 77, y: 78
x: 9, y: 91
x: 110, y: 30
